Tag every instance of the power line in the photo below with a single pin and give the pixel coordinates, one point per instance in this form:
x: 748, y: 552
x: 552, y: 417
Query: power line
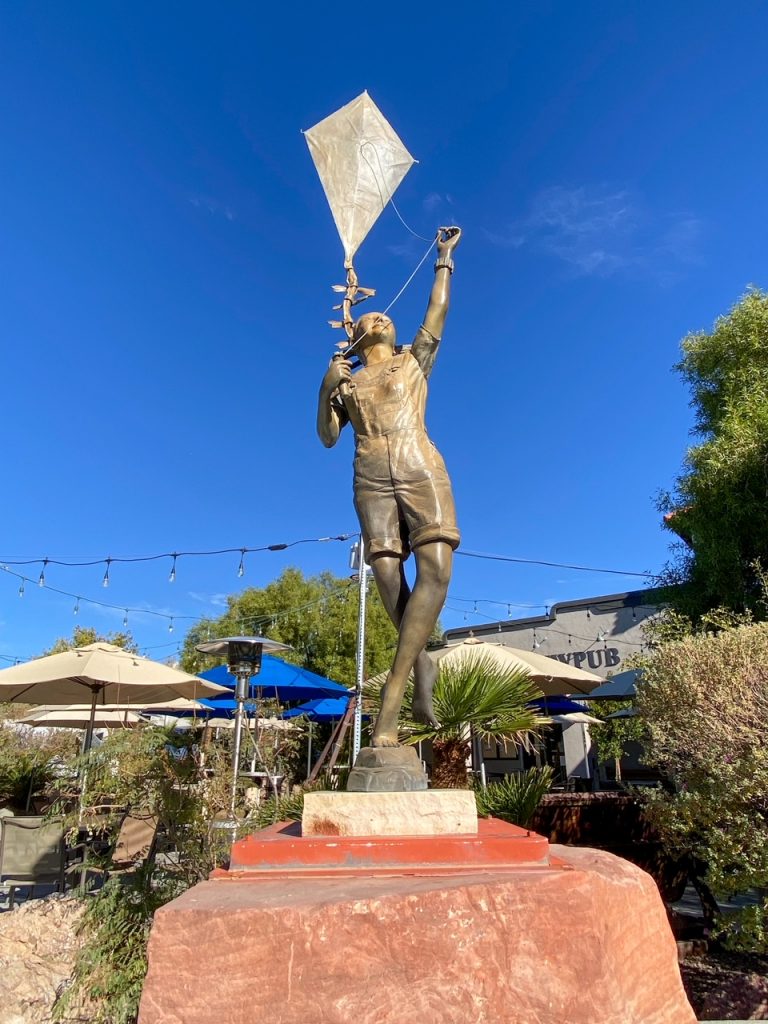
x: 554, y: 565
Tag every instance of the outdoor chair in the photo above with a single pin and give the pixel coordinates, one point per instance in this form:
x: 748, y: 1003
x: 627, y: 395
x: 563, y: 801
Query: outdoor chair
x: 31, y: 853
x: 135, y: 845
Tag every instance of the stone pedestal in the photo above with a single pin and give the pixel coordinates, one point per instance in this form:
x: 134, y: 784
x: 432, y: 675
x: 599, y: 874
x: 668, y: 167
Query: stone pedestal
x: 387, y: 770
x: 495, y: 928
x: 432, y: 812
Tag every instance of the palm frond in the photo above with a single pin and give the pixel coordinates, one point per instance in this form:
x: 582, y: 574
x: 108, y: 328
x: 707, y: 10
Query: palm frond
x: 492, y: 701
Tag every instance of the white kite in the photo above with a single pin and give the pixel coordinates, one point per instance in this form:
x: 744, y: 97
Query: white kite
x: 361, y: 161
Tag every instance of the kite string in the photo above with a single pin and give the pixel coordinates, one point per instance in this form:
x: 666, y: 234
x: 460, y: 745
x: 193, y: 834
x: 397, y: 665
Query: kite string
x: 381, y: 195
x: 351, y: 348
x: 414, y: 273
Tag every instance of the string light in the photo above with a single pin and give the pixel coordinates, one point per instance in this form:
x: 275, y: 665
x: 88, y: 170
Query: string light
x: 241, y: 567
x: 172, y: 574
x: 21, y: 589
x: 125, y: 619
x: 105, y: 579
x: 170, y: 625
x: 282, y: 546
x: 76, y: 609
x: 41, y: 577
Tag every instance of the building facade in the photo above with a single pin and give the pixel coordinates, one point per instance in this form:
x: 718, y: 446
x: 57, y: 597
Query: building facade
x: 594, y: 633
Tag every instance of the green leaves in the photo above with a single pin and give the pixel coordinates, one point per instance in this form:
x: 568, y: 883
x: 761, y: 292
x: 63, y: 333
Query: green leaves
x: 704, y: 702
x: 516, y: 797
x: 493, y: 702
x: 316, y: 616
x: 720, y: 500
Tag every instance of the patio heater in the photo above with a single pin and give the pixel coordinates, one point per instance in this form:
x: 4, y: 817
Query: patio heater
x: 243, y: 654
x: 357, y: 561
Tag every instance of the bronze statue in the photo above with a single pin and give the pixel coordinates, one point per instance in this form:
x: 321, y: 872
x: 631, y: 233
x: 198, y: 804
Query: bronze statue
x: 402, y: 492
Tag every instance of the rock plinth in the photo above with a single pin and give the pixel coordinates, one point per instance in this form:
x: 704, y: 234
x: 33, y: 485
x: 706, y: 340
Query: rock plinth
x: 432, y: 812
x: 583, y: 939
x: 387, y: 770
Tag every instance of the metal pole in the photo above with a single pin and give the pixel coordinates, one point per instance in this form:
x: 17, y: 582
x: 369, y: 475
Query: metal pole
x: 241, y: 693
x: 362, y: 576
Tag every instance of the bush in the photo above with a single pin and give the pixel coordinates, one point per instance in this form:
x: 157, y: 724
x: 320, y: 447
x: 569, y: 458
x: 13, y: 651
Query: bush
x: 30, y: 760
x: 516, y: 797
x: 704, y: 702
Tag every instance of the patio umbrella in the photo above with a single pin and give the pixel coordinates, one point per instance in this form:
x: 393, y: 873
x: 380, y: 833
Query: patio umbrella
x: 325, y: 709
x: 577, y: 718
x: 622, y: 686
x: 108, y: 673
x: 78, y: 716
x: 553, y: 677
x: 281, y: 680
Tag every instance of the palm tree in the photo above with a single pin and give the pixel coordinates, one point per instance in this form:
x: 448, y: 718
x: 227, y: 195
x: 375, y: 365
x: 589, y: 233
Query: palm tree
x: 475, y: 696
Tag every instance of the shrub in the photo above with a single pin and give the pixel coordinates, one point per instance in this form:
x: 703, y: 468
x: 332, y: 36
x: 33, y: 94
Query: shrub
x: 516, y: 797
x: 704, y: 701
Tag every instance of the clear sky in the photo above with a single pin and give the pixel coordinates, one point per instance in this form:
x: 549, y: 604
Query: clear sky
x: 166, y: 256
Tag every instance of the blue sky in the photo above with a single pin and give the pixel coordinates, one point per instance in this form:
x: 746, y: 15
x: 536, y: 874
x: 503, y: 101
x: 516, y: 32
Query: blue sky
x: 166, y: 256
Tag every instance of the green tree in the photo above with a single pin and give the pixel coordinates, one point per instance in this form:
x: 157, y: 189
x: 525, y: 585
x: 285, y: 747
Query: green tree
x: 316, y: 616
x: 719, y: 502
x: 614, y: 734
x: 84, y: 635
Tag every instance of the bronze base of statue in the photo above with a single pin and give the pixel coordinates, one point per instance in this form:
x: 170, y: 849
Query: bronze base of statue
x: 387, y: 770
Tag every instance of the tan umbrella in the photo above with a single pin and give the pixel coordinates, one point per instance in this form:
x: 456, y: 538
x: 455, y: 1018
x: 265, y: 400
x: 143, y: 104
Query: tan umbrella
x: 78, y: 716
x: 577, y: 718
x: 108, y: 673
x: 550, y: 675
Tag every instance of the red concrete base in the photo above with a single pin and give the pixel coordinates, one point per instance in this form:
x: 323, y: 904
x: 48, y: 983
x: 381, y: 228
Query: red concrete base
x: 282, y: 848
x: 583, y: 938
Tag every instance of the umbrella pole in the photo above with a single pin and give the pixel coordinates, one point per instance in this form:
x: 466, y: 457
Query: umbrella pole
x: 240, y: 695
x: 89, y: 730
x: 309, y: 749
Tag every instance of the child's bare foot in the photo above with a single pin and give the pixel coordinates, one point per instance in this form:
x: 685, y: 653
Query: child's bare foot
x: 384, y: 738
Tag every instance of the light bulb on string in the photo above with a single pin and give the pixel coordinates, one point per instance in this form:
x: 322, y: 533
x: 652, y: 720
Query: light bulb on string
x: 21, y: 589
x: 170, y: 625
x: 634, y: 614
x: 589, y: 614
x: 241, y: 566
x: 76, y: 609
x: 536, y: 641
x: 105, y: 578
x: 125, y: 619
x: 172, y: 574
x: 41, y: 577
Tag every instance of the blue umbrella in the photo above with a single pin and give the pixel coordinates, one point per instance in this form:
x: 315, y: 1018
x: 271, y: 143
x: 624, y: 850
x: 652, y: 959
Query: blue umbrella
x: 281, y: 680
x: 548, y: 705
x: 325, y: 709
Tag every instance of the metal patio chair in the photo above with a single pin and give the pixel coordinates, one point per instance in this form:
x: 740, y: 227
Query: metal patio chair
x: 31, y: 853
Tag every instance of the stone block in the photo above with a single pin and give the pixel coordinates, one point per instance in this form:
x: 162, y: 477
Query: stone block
x: 433, y: 812
x: 584, y: 943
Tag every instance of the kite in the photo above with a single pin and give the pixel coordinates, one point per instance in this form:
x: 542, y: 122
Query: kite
x: 361, y: 162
